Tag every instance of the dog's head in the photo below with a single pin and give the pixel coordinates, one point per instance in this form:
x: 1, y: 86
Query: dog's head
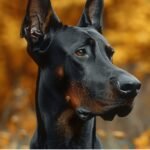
x: 81, y: 57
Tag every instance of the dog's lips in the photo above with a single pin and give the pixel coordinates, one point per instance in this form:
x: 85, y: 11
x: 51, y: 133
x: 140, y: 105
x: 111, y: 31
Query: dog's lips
x: 108, y: 113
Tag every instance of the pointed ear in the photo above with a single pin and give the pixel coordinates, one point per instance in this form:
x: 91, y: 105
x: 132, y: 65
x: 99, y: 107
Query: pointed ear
x: 93, y: 15
x: 39, y: 19
x: 38, y: 28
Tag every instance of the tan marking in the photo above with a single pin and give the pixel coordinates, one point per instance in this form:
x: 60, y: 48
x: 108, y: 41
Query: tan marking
x: 68, y: 98
x: 63, y: 123
x: 68, y: 124
x: 92, y: 105
x: 59, y: 71
x: 74, y: 94
x: 78, y: 97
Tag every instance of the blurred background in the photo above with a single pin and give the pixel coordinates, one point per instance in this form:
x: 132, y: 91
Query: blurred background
x: 127, y: 28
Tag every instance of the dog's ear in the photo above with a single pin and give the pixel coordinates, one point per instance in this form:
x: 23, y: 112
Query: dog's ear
x: 39, y: 25
x: 93, y: 15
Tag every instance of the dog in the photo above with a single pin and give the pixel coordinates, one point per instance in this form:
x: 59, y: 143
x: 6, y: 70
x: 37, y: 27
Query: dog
x: 77, y: 80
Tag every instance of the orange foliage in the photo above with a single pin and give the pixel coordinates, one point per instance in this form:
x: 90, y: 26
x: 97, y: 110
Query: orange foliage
x: 143, y: 142
x: 127, y: 28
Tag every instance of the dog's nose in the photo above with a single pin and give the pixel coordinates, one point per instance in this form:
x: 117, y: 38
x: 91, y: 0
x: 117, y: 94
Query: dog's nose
x: 127, y: 86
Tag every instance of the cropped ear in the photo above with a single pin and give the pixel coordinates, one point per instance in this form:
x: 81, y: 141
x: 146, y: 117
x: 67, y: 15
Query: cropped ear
x: 40, y: 19
x: 93, y: 15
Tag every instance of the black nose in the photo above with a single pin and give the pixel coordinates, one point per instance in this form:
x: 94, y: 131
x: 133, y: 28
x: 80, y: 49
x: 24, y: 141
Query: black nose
x: 127, y: 86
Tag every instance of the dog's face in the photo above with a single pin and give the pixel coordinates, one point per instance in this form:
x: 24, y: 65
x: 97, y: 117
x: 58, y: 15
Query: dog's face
x: 95, y: 85
x: 82, y: 57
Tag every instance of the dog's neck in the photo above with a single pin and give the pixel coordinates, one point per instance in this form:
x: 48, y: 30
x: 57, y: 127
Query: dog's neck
x: 57, y: 119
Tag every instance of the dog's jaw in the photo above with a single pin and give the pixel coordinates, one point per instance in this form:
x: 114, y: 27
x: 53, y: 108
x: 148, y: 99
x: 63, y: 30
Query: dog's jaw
x: 108, y: 113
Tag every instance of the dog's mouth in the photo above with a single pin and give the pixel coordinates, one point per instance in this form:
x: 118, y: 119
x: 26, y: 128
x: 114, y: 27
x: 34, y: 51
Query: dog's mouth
x: 87, y: 106
x: 108, y: 113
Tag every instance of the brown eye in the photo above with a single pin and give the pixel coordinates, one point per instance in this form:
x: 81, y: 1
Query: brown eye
x: 80, y: 52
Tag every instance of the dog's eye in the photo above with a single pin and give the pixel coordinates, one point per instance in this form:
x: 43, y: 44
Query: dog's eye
x: 81, y: 52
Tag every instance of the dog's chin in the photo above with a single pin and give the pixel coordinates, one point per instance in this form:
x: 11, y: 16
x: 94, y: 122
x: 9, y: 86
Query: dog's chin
x: 84, y: 114
x: 108, y: 114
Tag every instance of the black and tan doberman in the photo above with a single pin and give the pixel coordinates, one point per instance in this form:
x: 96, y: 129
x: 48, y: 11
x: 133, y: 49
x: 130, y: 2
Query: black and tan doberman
x: 76, y: 79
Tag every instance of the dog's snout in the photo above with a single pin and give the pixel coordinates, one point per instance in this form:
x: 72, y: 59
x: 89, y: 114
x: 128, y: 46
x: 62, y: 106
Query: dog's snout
x: 127, y: 86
